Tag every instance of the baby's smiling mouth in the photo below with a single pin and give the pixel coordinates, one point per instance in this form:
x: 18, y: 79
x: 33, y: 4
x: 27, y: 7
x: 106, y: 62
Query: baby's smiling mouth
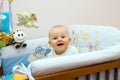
x: 60, y: 44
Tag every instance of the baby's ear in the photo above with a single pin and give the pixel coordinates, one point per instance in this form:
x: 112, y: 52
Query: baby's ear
x: 49, y: 43
x: 70, y: 39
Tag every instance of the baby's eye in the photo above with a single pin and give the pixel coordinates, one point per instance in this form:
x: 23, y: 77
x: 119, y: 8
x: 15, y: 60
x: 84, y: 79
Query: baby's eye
x: 55, y: 38
x: 63, y: 36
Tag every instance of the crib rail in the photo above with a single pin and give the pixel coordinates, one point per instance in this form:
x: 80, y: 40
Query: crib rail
x: 88, y: 70
x: 1, y: 71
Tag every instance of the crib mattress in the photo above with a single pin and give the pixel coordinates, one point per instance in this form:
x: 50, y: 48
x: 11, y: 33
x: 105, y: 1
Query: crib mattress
x: 57, y: 64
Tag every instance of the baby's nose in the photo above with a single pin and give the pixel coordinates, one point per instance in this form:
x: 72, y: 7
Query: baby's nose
x: 59, y: 39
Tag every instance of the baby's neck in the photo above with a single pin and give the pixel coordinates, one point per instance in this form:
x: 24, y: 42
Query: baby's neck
x: 59, y: 53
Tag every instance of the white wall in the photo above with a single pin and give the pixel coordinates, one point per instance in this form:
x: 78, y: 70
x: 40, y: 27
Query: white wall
x: 67, y: 12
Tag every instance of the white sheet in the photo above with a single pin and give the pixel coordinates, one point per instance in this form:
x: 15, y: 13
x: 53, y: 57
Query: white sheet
x: 52, y: 65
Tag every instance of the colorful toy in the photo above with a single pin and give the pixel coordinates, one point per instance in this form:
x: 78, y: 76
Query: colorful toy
x: 19, y: 39
x: 5, y: 39
x: 23, y: 71
x: 38, y: 53
x: 20, y: 77
x: 28, y: 20
x: 20, y: 72
x: 15, y: 76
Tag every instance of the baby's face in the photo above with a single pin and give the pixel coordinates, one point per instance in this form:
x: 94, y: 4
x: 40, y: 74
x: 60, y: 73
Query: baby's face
x: 59, y: 40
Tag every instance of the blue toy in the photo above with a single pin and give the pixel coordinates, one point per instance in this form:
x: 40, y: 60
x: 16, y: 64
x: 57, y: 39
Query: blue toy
x: 5, y: 22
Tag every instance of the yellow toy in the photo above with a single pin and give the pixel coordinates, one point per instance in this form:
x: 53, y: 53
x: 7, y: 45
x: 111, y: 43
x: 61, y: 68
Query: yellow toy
x: 20, y: 77
x: 15, y: 76
x: 5, y: 39
x: 10, y: 0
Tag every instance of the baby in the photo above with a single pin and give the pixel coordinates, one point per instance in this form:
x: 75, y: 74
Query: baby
x: 60, y: 40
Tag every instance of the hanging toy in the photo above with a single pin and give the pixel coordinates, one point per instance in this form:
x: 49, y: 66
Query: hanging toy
x: 1, y: 16
x: 10, y: 0
x: 28, y: 20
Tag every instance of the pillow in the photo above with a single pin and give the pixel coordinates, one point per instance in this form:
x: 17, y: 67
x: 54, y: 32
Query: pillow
x: 12, y: 56
x: 5, y: 22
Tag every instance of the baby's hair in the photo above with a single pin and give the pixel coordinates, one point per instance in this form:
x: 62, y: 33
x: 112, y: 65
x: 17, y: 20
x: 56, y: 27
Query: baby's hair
x: 55, y: 26
x: 58, y: 26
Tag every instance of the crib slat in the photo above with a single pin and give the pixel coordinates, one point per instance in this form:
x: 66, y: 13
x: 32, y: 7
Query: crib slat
x: 88, y: 77
x: 77, y: 78
x: 116, y: 74
x: 107, y: 74
x: 98, y: 75
x: 1, y: 72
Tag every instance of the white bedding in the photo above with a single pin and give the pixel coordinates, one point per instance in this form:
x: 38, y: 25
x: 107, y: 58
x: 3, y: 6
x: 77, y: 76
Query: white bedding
x: 52, y: 65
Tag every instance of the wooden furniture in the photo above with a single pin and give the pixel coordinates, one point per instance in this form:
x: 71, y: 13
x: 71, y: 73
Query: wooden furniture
x: 1, y: 72
x: 85, y: 71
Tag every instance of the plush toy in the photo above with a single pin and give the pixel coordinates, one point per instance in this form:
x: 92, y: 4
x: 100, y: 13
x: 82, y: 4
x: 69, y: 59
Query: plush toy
x: 5, y: 39
x: 19, y: 39
x: 15, y: 76
x: 28, y: 20
x: 38, y: 53
x: 19, y: 72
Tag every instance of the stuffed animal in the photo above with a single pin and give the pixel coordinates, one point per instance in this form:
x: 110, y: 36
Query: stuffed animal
x: 28, y: 20
x: 19, y: 39
x: 38, y: 53
x: 5, y: 39
x: 22, y: 72
x: 15, y: 76
x: 19, y: 72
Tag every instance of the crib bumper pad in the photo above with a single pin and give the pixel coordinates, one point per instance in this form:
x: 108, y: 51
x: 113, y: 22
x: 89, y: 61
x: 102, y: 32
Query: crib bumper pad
x: 52, y: 65
x: 94, y: 37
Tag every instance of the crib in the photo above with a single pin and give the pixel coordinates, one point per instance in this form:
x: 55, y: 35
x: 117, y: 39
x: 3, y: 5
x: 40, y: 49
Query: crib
x: 99, y: 57
x: 85, y: 71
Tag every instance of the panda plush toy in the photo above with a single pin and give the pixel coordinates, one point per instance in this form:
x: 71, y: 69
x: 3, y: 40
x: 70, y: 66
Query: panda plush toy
x: 19, y: 39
